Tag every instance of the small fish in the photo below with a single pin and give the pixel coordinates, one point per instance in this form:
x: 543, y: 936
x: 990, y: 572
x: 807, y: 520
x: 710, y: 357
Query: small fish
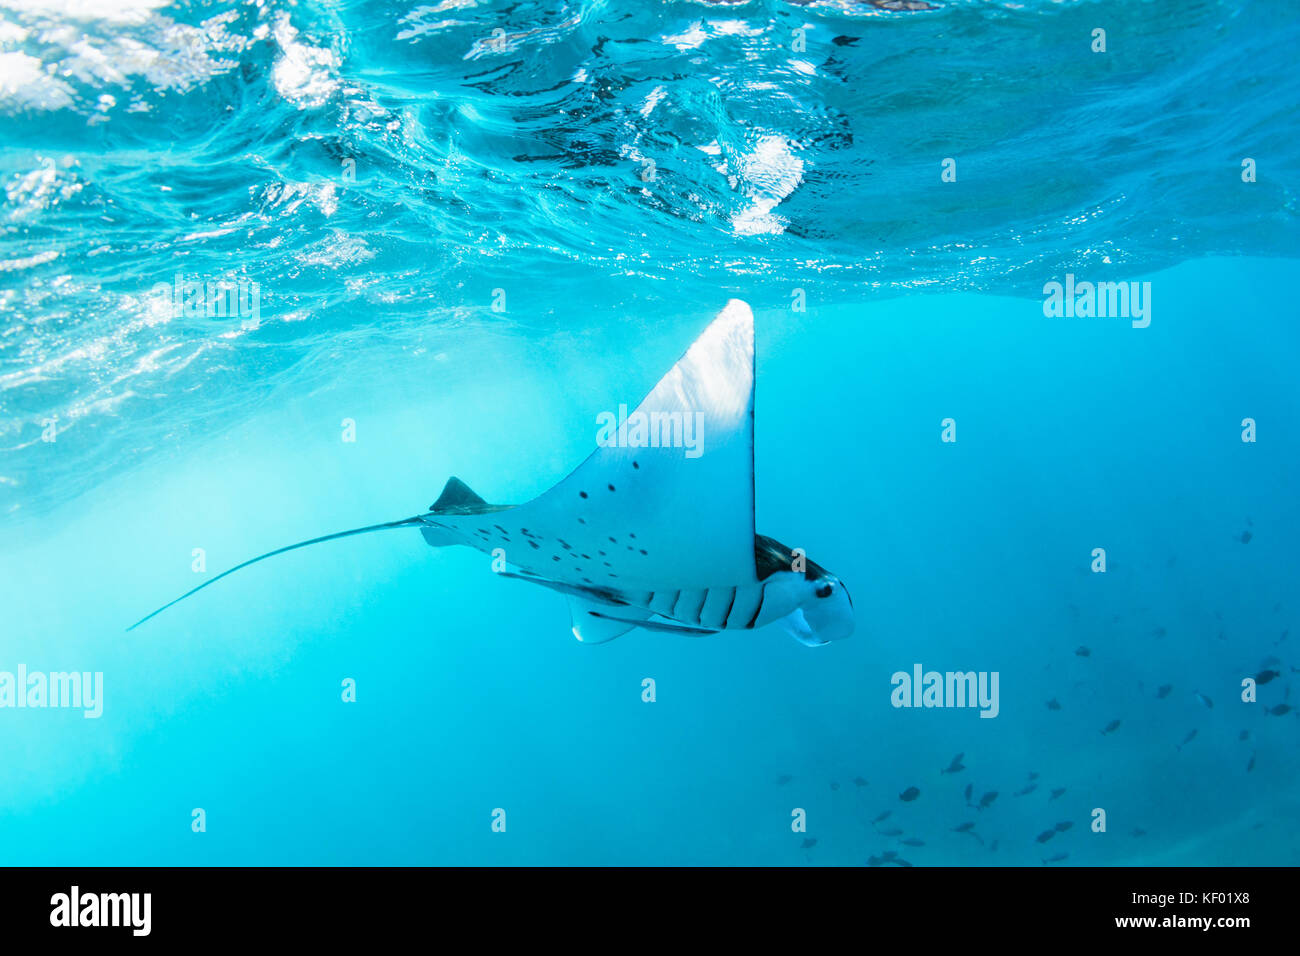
x: 1245, y: 537
x: 1064, y: 825
x: 1191, y: 735
x: 1251, y: 766
x: 1112, y: 726
x: 1082, y: 651
x: 1159, y: 632
x: 969, y: 787
x: 987, y: 799
x: 859, y: 782
x: 891, y: 832
x: 1203, y: 699
x: 1280, y: 709
x: 1263, y: 677
x: 913, y: 841
x: 956, y: 766
x: 889, y: 855
x: 1056, y: 793
x: 1053, y: 704
x: 964, y: 827
x: 834, y: 785
x: 1026, y: 791
x: 783, y: 779
x: 874, y: 861
x: 1057, y: 858
x: 808, y: 843
x: 993, y: 847
x: 910, y: 794
x: 901, y: 862
x: 1138, y: 831
x: 1163, y: 691
x: 1033, y: 775
x: 1046, y: 835
x: 1244, y: 735
x: 883, y: 816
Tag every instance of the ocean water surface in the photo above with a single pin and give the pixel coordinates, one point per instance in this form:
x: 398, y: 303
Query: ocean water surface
x: 446, y: 236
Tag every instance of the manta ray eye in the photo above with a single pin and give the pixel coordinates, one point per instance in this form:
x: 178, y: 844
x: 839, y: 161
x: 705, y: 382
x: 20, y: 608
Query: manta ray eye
x: 824, y: 591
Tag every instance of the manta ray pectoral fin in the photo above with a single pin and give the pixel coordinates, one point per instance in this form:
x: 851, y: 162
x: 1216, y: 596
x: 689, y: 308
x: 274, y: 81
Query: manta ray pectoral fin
x: 583, y: 593
x: 405, y: 522
x: 656, y: 625
x: 666, y: 501
x: 592, y: 626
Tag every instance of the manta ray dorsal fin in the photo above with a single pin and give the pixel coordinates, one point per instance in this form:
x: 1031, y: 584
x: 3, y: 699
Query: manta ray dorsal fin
x: 456, y: 495
x: 667, y: 499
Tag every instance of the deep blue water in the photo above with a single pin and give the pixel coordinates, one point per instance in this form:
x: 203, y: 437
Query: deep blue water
x: 468, y: 243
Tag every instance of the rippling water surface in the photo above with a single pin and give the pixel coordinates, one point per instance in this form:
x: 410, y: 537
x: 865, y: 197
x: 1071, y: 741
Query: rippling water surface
x: 378, y: 169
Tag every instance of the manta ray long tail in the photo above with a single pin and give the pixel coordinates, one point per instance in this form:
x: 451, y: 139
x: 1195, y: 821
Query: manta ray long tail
x: 405, y: 522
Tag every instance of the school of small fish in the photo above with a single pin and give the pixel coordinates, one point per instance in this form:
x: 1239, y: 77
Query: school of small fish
x: 1270, y: 673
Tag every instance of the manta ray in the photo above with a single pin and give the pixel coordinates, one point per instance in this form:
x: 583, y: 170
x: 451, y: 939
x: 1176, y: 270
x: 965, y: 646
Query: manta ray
x: 646, y: 533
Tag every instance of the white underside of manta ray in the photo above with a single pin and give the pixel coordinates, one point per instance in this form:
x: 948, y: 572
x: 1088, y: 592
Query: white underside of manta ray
x: 647, y: 533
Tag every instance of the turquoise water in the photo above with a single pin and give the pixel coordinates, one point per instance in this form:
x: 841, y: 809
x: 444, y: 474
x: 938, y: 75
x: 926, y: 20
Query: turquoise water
x: 388, y: 174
